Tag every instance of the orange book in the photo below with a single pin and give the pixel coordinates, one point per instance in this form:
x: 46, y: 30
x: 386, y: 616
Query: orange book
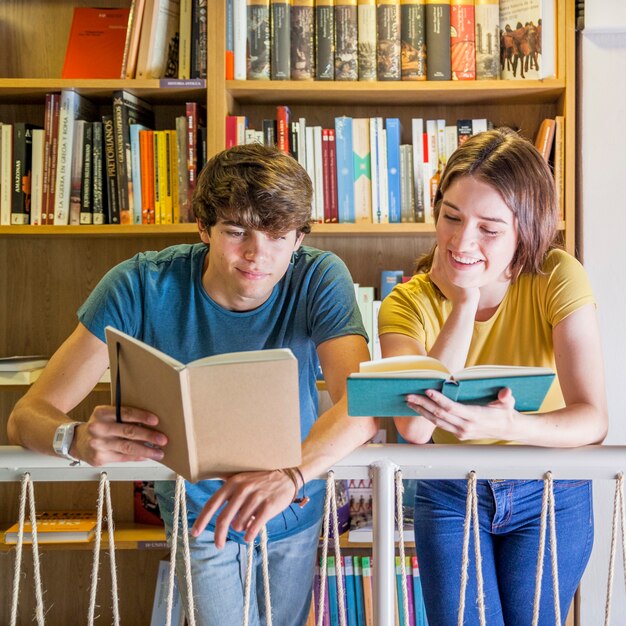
x: 146, y: 157
x: 57, y: 527
x: 95, y: 48
x: 545, y: 138
x: 367, y: 590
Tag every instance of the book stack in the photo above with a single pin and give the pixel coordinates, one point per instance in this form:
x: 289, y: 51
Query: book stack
x: 57, y: 527
x: 82, y: 168
x: 21, y: 370
x: 361, y: 170
x: 357, y: 598
x: 390, y: 41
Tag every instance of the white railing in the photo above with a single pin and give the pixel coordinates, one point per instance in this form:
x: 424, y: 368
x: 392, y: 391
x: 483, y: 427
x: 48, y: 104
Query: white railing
x: 378, y: 462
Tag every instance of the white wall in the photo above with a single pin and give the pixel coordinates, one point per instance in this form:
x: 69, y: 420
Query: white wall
x: 603, y: 177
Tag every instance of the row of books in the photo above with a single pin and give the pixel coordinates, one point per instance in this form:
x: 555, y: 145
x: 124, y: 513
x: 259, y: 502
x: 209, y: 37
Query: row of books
x: 83, y: 168
x: 149, y: 39
x: 357, y: 598
x: 389, y: 40
x: 361, y: 172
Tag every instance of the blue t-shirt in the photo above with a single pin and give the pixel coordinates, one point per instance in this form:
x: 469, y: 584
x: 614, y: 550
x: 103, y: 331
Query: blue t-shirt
x: 159, y: 298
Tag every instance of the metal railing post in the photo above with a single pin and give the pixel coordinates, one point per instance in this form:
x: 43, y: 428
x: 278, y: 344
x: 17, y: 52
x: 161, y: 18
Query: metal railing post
x: 383, y: 575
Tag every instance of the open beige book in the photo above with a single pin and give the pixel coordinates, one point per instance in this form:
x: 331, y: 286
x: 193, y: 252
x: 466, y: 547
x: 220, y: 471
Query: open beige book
x: 222, y: 414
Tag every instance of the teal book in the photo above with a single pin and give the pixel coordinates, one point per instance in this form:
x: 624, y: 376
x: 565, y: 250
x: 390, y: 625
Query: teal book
x: 331, y: 582
x: 380, y: 388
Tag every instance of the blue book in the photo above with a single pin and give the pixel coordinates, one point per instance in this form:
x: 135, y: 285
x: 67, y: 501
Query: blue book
x: 136, y: 170
x: 350, y: 591
x: 332, y: 591
x: 394, y: 131
x: 418, y: 597
x: 345, y: 169
x: 358, y: 591
x: 381, y: 387
x: 388, y: 280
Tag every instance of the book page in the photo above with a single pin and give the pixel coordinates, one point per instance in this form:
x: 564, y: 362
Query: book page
x: 249, y: 356
x: 500, y: 371
x: 405, y: 366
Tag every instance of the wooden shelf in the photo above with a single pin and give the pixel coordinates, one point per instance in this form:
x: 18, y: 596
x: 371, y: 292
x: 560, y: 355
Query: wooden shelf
x: 128, y: 536
x: 396, y: 92
x: 28, y: 90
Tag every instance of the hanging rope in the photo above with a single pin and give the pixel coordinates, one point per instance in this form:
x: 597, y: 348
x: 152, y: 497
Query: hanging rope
x: 104, y: 497
x: 180, y: 503
x: 547, y: 510
x: 471, y: 515
x: 247, y: 590
x: 400, y: 524
x: 27, y: 492
x: 330, y: 510
x: 618, y: 512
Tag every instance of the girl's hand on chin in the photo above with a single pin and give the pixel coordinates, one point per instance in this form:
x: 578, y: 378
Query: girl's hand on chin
x: 456, y: 295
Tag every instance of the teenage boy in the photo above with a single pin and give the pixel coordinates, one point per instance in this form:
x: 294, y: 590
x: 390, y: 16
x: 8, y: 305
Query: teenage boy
x: 249, y: 285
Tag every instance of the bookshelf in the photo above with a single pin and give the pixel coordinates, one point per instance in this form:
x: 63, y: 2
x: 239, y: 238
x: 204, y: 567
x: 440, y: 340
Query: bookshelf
x: 48, y: 271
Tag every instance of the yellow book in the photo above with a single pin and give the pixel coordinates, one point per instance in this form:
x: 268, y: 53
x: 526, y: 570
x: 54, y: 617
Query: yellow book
x: 57, y: 527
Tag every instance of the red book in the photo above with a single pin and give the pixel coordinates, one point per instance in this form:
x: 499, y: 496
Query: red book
x: 282, y: 128
x: 332, y: 154
x: 462, y: 40
x: 326, y: 174
x: 95, y: 48
x: 51, y: 137
x: 231, y: 131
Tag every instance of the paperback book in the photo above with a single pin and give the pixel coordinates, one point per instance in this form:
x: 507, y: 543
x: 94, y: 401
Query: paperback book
x: 380, y: 388
x: 221, y: 414
x: 57, y: 527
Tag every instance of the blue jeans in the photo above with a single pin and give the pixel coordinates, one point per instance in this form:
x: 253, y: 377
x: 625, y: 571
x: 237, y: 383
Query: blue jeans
x: 218, y: 578
x: 509, y: 520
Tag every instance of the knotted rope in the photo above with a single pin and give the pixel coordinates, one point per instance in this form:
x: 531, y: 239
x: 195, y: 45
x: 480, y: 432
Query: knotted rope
x: 330, y: 511
x: 547, y: 507
x: 27, y: 492
x: 471, y: 515
x: 180, y: 502
x: 618, y: 512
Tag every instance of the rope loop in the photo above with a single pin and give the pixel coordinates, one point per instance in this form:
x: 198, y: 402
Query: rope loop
x: 27, y: 492
x: 619, y: 515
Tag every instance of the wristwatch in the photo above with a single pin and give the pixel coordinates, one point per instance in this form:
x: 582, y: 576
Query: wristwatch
x: 63, y: 437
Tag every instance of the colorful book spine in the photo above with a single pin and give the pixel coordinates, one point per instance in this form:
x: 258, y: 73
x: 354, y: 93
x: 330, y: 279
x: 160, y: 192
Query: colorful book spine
x: 417, y: 133
x: 39, y: 139
x: 413, y: 39
x: 99, y: 192
x: 258, y: 40
x: 324, y: 40
x: 240, y: 24
x: 487, y: 39
x: 280, y: 39
x: 462, y: 38
x: 367, y: 591
x: 394, y: 193
x: 332, y: 591
x: 358, y: 590
x: 418, y: 597
x: 332, y: 153
x: 350, y: 587
x: 438, y: 39
x: 283, y: 117
x: 345, y: 169
x: 113, y: 207
x: 21, y: 173
x: 407, y: 210
x: 346, y: 40
x: 146, y: 147
x: 362, y: 169
x: 86, y: 188
x: 51, y: 128
x: 409, y: 587
x: 388, y: 51
x: 366, y: 17
x: 136, y: 163
x: 303, y: 40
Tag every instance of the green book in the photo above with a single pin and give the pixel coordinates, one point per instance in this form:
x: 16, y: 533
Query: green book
x: 381, y: 386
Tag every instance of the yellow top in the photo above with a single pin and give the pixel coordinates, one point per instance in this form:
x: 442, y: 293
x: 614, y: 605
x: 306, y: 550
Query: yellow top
x: 518, y: 333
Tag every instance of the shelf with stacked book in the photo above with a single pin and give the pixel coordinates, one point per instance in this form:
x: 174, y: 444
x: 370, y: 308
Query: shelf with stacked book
x: 396, y: 93
x: 128, y: 536
x: 27, y: 90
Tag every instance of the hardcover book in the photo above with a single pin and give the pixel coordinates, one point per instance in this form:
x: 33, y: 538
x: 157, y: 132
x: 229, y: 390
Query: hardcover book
x: 366, y: 20
x: 258, y: 40
x: 303, y: 40
x: 95, y: 48
x: 280, y: 39
x: 346, y: 40
x: 413, y: 40
x: 57, y: 527
x: 212, y: 427
x: 388, y: 58
x: 487, y: 39
x: 462, y: 40
x: 324, y: 40
x: 380, y: 388
x: 528, y: 39
x: 438, y: 40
